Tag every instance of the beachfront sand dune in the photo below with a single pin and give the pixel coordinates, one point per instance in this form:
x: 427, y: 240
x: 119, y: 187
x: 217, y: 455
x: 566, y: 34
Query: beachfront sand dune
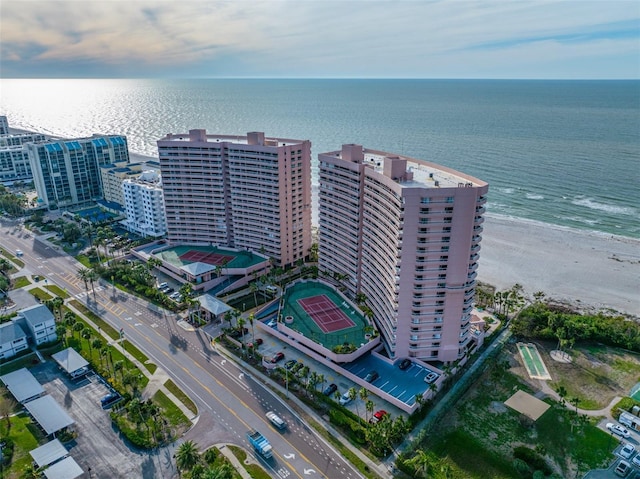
x: 590, y: 269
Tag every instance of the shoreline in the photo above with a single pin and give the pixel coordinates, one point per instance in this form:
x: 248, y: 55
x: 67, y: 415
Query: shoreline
x: 588, y: 269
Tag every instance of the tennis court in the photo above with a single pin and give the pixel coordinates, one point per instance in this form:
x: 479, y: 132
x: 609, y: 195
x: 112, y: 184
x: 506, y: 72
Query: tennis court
x: 205, y: 257
x: 325, y: 313
x: 342, y: 324
x: 533, y: 361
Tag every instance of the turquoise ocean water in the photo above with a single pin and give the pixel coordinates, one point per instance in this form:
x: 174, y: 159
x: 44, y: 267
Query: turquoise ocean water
x: 560, y: 152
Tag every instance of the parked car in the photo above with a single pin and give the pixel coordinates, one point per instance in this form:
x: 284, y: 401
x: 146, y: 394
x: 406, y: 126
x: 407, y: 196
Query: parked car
x: 431, y: 377
x: 345, y: 399
x: 259, y: 341
x: 272, y: 323
x: 627, y: 451
x: 330, y: 390
x: 618, y: 429
x: 636, y: 460
x: 623, y: 468
x: 109, y: 400
x: 163, y: 285
x: 377, y: 416
x: 296, y: 367
x: 279, y: 356
x: 276, y: 420
x: 372, y: 376
x: 290, y: 363
x: 405, y: 363
x: 255, y: 344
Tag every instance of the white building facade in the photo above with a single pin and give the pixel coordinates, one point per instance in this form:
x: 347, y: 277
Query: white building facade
x: 405, y: 233
x: 40, y: 323
x: 144, y: 205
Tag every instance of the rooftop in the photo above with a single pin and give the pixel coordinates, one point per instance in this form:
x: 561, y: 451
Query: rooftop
x: 22, y: 384
x: 48, y: 413
x: 37, y: 314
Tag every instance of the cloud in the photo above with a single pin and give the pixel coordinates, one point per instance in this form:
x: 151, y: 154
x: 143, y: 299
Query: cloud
x: 299, y: 38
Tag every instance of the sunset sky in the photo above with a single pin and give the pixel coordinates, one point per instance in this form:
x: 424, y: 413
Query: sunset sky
x: 319, y: 38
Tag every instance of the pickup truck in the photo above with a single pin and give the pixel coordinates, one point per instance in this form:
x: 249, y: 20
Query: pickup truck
x: 260, y: 444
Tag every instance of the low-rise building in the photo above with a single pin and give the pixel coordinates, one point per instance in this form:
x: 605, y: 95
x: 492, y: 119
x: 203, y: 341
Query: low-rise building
x: 40, y: 323
x: 13, y: 339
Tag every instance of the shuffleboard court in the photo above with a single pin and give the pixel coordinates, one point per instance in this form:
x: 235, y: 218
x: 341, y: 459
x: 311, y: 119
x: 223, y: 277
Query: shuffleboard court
x: 325, y: 313
x: 533, y: 361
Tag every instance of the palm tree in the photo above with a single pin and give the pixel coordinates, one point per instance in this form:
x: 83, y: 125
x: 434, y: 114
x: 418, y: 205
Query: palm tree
x: 241, y: 323
x: 251, y: 318
x: 575, y: 401
x: 321, y: 380
x: 353, y: 395
x: 562, y: 392
x: 253, y: 287
x: 421, y: 463
x: 363, y: 394
x: 83, y: 274
x: 369, y: 408
x: 57, y: 303
x: 187, y: 456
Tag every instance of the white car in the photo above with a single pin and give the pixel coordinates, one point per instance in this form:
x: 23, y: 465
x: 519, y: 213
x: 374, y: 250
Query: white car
x: 345, y: 399
x: 19, y: 252
x: 618, y: 429
x: 627, y: 451
x: 636, y: 460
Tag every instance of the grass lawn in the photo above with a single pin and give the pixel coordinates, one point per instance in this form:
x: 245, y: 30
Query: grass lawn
x: 57, y: 290
x: 139, y: 355
x: 21, y: 282
x: 40, y: 294
x: 596, y: 374
x: 25, y: 436
x: 172, y: 413
x: 97, y: 320
x: 179, y: 393
x: 479, y: 435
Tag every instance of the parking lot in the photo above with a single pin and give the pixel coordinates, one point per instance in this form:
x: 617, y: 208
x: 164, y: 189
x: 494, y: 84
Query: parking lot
x: 98, y: 445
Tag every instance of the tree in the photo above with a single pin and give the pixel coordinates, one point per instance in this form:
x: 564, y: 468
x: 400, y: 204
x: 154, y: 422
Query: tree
x: 7, y: 405
x: 562, y: 392
x: 251, y: 318
x: 78, y: 327
x: 353, y: 395
x: 253, y: 287
x: 241, y: 323
x: 369, y: 408
x: 118, y: 366
x: 421, y: 463
x: 187, y: 456
x: 83, y: 274
x: 575, y: 401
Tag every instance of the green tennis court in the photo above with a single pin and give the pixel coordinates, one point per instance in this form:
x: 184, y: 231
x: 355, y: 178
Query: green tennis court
x: 533, y: 361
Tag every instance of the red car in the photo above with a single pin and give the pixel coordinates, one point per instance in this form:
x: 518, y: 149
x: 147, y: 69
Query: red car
x: 377, y: 416
x: 256, y: 344
x: 277, y: 357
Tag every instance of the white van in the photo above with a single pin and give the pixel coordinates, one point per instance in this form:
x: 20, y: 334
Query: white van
x: 276, y: 420
x: 271, y: 289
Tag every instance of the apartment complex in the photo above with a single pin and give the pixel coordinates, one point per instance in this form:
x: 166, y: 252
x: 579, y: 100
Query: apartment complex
x: 113, y: 175
x: 4, y: 125
x: 405, y: 233
x: 246, y: 192
x: 66, y: 173
x: 144, y: 205
x: 14, y: 157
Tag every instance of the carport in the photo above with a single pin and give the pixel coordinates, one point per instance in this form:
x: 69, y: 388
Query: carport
x: 23, y: 385
x: 72, y: 363
x: 49, y: 453
x: 66, y: 469
x: 48, y: 413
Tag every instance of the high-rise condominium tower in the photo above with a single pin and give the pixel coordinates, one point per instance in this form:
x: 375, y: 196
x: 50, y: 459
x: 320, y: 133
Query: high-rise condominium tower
x: 406, y: 234
x: 247, y: 192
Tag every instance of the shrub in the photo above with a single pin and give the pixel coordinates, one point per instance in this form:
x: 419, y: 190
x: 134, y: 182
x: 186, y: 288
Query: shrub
x: 532, y: 458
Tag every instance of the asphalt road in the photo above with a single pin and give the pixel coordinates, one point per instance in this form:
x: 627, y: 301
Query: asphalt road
x: 229, y: 401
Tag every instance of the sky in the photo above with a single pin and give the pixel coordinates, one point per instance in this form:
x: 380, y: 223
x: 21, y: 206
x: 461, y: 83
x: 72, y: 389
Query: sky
x: 320, y: 39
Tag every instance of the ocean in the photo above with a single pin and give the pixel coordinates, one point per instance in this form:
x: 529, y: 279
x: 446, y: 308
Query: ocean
x: 559, y: 152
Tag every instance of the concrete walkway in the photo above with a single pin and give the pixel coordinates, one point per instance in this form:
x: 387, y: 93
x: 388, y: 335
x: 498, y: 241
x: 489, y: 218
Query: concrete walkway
x: 546, y: 390
x: 228, y: 453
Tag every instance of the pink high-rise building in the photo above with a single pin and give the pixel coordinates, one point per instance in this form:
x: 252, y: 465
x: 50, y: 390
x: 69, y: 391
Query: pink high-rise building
x: 246, y: 192
x: 405, y: 233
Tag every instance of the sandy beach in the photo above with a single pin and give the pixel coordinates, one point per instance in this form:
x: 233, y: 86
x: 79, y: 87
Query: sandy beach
x: 593, y: 270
